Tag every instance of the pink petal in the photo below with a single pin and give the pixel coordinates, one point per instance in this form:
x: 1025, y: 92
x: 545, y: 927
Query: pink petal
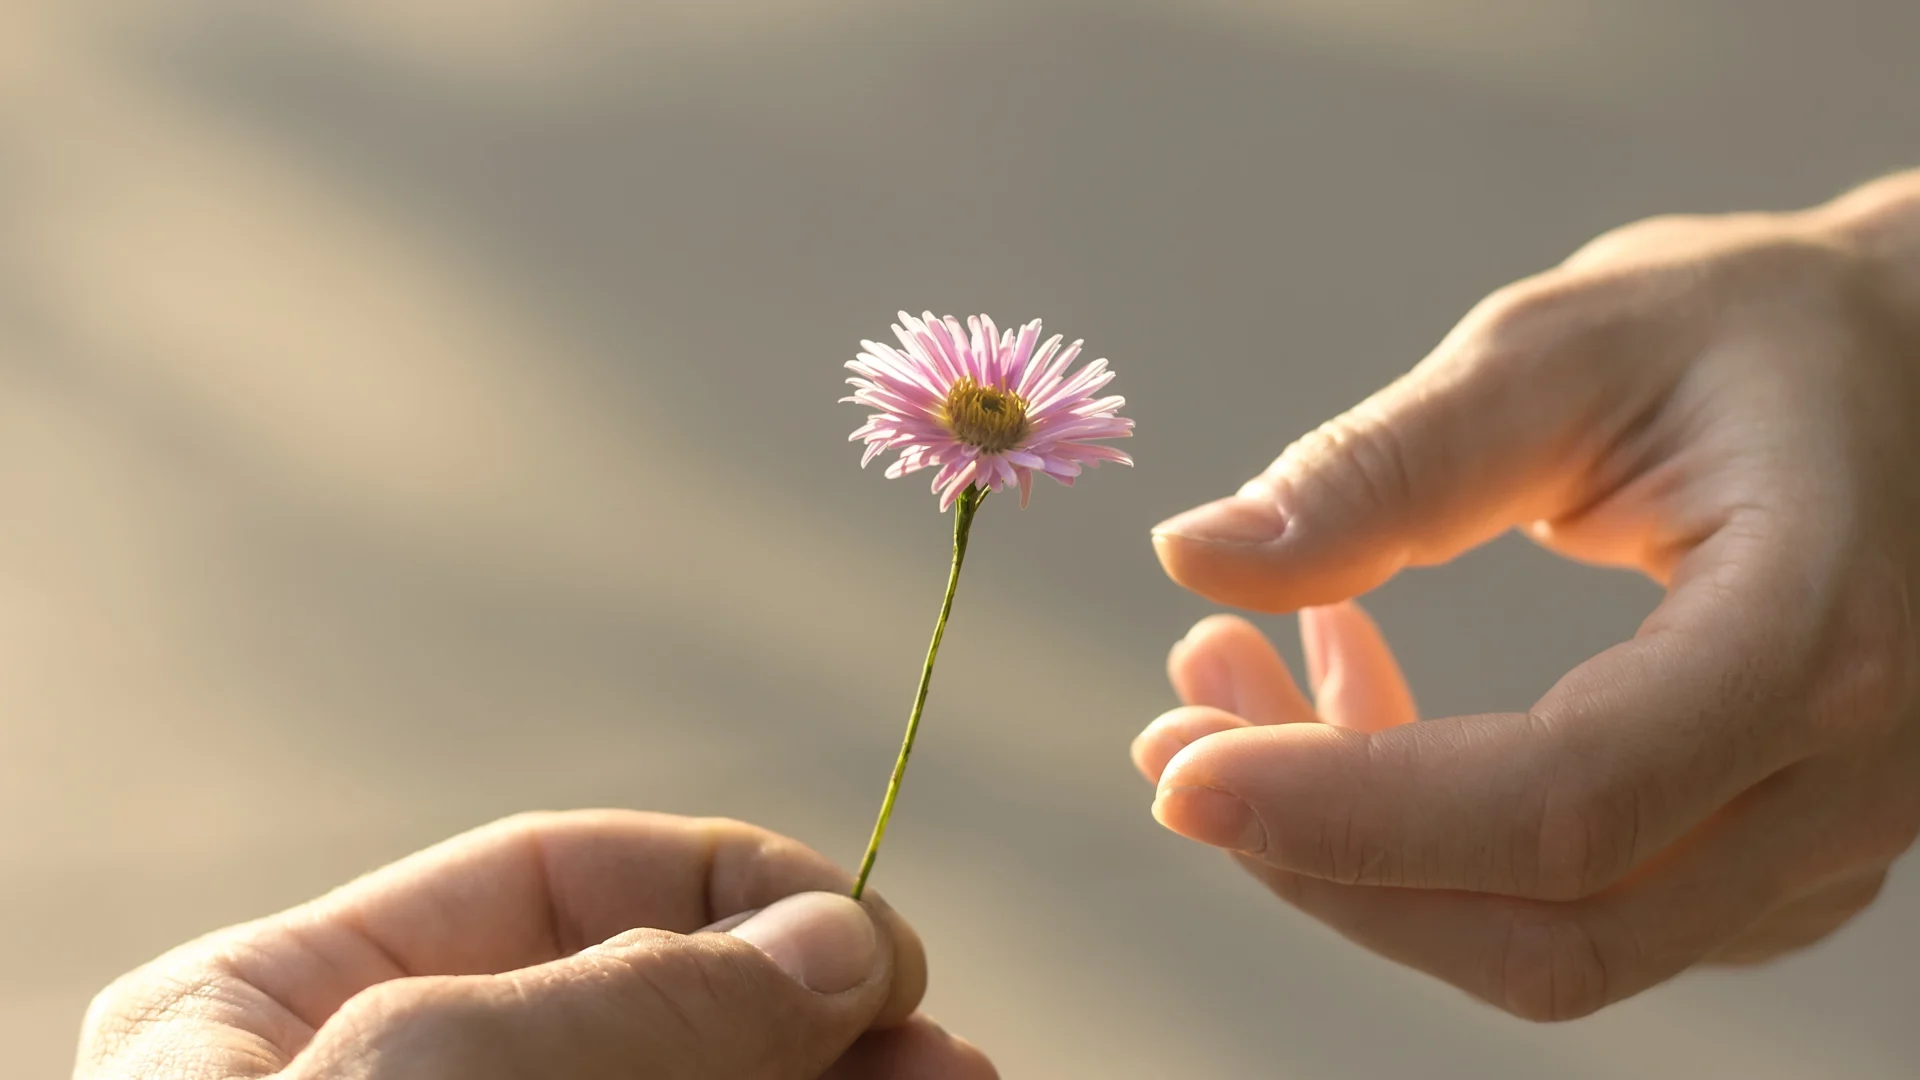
x: 1021, y: 356
x: 963, y: 462
x: 1090, y: 453
x: 888, y: 362
x: 1036, y: 366
x: 1006, y: 475
x: 959, y: 484
x: 1084, y: 382
x: 891, y: 403
x: 989, y: 337
x: 924, y: 345
x: 982, y: 352
x: 906, y: 387
x: 1092, y: 427
x: 955, y: 339
x: 1050, y: 381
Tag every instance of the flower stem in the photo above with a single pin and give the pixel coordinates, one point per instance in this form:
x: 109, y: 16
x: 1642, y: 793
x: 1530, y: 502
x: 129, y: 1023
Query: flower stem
x: 964, y: 509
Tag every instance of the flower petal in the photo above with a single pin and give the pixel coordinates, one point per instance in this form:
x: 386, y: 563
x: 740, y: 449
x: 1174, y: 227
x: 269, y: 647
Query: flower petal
x: 906, y: 389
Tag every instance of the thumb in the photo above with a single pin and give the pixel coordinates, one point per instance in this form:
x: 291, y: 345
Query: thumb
x: 779, y: 996
x: 1483, y: 434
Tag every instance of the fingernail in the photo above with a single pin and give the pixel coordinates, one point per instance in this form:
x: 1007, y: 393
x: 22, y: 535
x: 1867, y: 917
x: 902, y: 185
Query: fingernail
x: 824, y: 941
x: 1212, y: 817
x: 1233, y: 520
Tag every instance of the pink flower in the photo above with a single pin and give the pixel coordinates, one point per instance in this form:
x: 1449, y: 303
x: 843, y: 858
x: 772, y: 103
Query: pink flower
x: 987, y: 407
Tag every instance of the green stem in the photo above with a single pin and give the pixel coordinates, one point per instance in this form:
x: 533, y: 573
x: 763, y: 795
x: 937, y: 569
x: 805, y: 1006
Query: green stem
x: 964, y: 509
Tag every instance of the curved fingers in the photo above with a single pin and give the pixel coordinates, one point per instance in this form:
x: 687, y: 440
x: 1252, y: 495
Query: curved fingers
x: 529, y: 889
x: 1559, y: 960
x: 1226, y: 662
x: 1622, y: 758
x: 520, y: 892
x: 1356, y: 681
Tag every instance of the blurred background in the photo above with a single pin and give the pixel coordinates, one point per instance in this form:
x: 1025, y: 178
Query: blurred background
x: 415, y: 413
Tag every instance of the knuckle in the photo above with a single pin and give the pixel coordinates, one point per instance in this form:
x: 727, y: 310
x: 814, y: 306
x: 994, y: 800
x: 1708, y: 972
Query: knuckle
x: 1646, y: 234
x: 1520, y: 323
x: 678, y: 996
x: 414, y: 1027
x: 421, y: 1027
x: 128, y: 1025
x: 1551, y: 968
x: 529, y: 825
x: 684, y: 998
x: 744, y: 842
x: 1351, y: 854
x: 1760, y: 251
x: 1367, y: 456
x: 425, y: 1009
x: 701, y: 973
x: 141, y: 1002
x: 1555, y: 341
x: 1349, y: 845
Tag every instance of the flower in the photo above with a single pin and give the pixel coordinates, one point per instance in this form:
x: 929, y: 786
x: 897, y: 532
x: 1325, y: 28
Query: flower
x: 988, y: 408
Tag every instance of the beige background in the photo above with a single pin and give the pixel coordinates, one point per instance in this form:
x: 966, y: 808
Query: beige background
x: 410, y: 418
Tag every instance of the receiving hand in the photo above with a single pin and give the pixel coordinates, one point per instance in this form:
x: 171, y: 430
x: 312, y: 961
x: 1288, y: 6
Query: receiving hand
x: 1730, y: 406
x: 548, y: 945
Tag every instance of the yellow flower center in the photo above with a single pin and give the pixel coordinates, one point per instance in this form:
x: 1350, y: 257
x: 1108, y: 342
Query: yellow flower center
x: 993, y: 420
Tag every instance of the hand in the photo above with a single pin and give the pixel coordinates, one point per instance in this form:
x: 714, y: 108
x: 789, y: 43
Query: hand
x: 1728, y: 405
x: 548, y: 945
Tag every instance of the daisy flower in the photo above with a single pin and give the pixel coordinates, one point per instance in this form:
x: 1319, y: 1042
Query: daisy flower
x: 987, y: 408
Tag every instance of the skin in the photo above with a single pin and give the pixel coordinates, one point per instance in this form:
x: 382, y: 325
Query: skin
x: 548, y: 945
x: 1729, y: 405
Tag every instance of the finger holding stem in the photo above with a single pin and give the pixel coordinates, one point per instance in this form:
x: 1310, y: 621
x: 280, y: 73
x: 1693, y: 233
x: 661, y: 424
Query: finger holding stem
x: 964, y: 509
